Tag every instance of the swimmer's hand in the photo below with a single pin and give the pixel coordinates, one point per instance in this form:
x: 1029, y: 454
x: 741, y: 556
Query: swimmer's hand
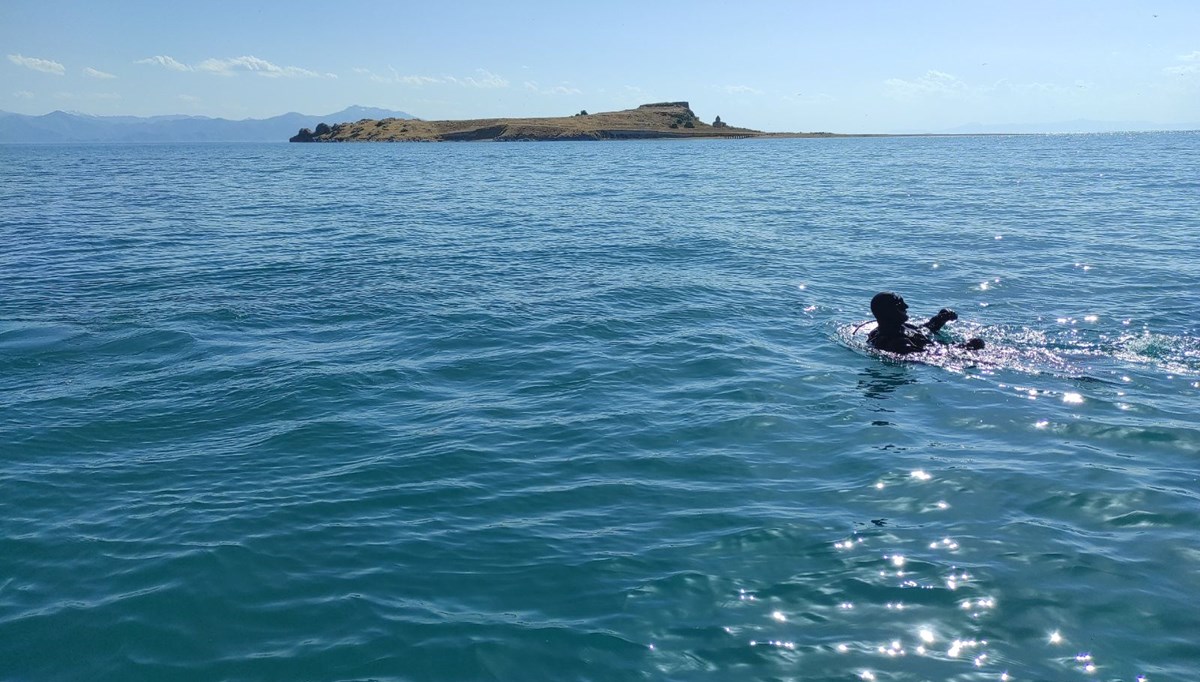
x: 938, y: 321
x: 946, y: 315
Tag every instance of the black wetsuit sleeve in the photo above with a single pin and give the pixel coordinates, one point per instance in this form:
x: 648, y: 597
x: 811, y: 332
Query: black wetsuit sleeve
x: 938, y: 321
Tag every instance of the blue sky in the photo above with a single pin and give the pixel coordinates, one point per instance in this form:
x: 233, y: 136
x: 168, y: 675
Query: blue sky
x: 781, y: 66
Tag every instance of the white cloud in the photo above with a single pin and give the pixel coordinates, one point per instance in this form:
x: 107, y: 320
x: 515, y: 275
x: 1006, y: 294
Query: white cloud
x: 418, y: 80
x: 486, y: 79
x: 23, y: 94
x: 94, y: 73
x: 261, y: 67
x: 165, y: 62
x: 532, y: 86
x: 44, y: 65
x: 235, y: 65
x: 932, y: 83
x: 190, y: 99
x: 394, y: 78
x: 87, y: 97
x: 1190, y: 65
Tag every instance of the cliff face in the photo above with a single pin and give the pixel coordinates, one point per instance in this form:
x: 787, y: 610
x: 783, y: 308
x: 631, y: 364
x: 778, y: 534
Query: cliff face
x: 660, y: 120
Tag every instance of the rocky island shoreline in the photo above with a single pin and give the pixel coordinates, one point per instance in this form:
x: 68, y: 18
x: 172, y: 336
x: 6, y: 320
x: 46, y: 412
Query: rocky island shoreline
x: 649, y: 121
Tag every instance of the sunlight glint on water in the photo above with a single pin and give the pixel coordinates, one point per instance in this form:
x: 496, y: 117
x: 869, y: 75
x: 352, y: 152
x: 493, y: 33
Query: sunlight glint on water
x: 599, y: 411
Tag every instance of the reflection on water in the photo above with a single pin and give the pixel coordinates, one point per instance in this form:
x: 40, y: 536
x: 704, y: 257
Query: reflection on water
x: 878, y: 380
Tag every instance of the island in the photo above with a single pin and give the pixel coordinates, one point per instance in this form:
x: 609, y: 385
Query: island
x: 649, y: 121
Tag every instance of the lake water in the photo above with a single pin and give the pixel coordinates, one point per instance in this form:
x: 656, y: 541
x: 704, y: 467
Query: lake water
x: 594, y: 411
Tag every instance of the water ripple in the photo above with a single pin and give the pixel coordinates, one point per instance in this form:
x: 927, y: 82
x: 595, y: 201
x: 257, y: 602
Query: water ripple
x: 598, y: 411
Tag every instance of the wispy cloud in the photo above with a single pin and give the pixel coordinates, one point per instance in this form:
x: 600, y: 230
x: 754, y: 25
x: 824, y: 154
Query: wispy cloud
x: 932, y: 83
x: 1040, y: 87
x: 87, y: 97
x: 261, y: 67
x: 96, y: 73
x: 532, y: 86
x: 235, y: 65
x: 485, y: 79
x: 23, y: 94
x: 394, y: 77
x: 418, y: 80
x: 1189, y: 64
x: 43, y: 65
x: 165, y: 62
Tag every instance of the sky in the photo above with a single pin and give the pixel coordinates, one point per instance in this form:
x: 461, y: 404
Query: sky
x: 800, y: 66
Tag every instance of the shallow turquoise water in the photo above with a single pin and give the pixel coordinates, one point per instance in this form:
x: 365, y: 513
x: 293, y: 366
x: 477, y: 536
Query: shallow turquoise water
x: 593, y: 411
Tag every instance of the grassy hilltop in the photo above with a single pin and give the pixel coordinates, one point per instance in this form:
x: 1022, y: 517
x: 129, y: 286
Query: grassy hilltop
x: 661, y: 120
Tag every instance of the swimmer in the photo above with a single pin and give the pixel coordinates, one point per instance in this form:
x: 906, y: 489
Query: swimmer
x: 895, y: 335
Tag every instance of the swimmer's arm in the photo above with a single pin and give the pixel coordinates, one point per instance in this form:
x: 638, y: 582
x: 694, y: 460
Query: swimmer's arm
x: 938, y: 321
x: 935, y: 324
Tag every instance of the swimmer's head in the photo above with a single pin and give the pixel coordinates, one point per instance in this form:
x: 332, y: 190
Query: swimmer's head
x: 889, y: 308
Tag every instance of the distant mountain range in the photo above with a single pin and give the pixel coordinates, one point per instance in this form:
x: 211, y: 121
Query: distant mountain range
x: 61, y: 126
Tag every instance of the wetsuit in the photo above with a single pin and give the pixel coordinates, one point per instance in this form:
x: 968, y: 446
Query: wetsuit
x: 902, y: 340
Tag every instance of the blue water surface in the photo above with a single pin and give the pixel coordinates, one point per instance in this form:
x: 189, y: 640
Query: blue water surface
x: 597, y: 411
